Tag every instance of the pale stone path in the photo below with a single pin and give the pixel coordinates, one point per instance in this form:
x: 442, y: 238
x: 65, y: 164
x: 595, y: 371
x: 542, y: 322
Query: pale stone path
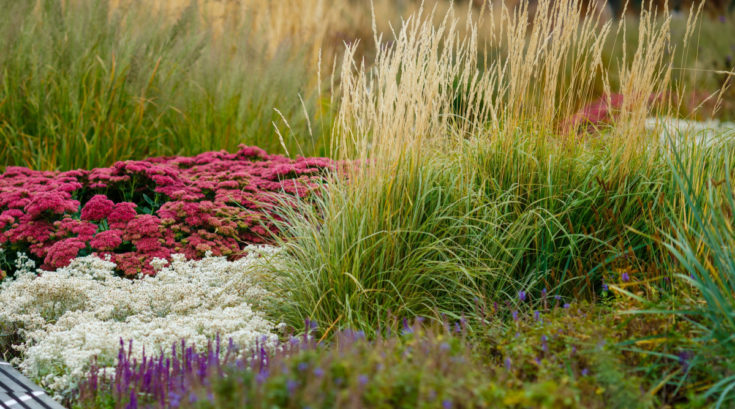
x: 17, y: 392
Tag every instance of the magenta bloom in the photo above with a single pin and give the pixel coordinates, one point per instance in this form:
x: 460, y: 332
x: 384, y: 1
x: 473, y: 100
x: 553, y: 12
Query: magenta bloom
x: 121, y: 214
x: 52, y: 202
x: 216, y: 202
x: 62, y: 252
x: 145, y: 225
x: 97, y: 208
x: 106, y: 240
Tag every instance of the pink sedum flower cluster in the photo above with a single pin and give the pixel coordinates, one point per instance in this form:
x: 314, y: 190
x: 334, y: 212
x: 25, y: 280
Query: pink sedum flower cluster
x: 135, y: 211
x: 606, y: 109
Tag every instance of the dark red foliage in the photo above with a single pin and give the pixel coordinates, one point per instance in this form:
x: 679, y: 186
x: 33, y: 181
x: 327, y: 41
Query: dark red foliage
x: 135, y: 211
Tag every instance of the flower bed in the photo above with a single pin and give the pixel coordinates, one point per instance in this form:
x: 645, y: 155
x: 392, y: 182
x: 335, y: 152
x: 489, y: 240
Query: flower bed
x: 65, y: 318
x: 554, y: 358
x: 135, y: 211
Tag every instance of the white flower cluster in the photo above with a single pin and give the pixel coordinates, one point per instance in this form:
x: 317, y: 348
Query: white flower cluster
x: 23, y: 264
x: 71, y: 315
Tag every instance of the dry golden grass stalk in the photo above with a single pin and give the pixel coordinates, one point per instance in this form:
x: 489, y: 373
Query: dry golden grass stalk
x: 431, y: 82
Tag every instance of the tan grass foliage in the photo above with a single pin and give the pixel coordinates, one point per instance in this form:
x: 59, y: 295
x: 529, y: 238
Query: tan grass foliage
x: 278, y: 24
x: 536, y: 69
x: 439, y: 69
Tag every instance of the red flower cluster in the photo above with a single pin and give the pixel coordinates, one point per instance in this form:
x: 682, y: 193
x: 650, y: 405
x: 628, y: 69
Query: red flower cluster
x: 606, y: 108
x: 139, y: 210
x: 599, y: 112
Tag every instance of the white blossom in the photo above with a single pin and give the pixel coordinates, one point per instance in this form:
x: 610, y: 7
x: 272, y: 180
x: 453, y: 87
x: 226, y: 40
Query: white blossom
x: 69, y: 316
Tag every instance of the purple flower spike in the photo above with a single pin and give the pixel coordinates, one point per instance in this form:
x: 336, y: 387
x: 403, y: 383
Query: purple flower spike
x: 567, y: 305
x: 133, y: 404
x: 522, y: 296
x: 604, y: 287
x: 507, y: 363
x: 515, y: 315
x: 447, y: 404
x: 362, y: 379
x: 537, y: 315
x: 585, y: 372
x: 625, y: 277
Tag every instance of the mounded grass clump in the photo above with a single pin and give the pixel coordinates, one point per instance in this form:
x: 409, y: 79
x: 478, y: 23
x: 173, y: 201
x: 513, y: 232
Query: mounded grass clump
x: 704, y: 245
x: 485, y: 222
x: 450, y: 203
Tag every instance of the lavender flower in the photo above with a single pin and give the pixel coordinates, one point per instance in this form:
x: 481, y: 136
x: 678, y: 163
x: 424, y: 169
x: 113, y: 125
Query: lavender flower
x: 262, y: 376
x: 291, y: 386
x: 407, y: 329
x: 684, y: 357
